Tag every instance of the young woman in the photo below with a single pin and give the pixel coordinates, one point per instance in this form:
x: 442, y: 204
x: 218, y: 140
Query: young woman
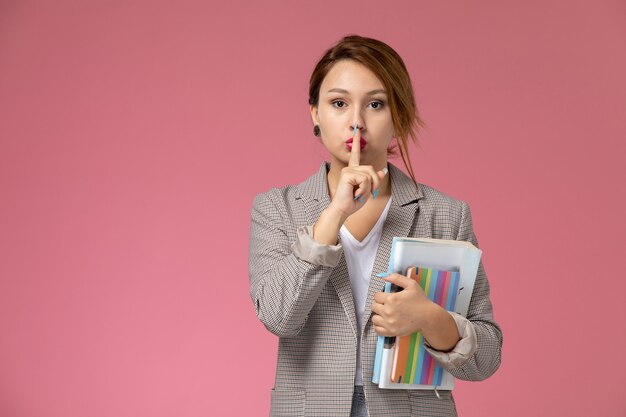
x: 316, y: 248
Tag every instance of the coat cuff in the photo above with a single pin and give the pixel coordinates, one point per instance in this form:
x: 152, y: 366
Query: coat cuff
x: 463, y: 350
x: 314, y: 252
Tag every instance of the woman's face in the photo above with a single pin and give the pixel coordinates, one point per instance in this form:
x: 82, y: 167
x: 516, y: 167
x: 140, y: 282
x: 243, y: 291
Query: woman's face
x: 352, y: 93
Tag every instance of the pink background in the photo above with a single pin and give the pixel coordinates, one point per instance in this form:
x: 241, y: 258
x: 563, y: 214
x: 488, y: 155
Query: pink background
x: 134, y: 136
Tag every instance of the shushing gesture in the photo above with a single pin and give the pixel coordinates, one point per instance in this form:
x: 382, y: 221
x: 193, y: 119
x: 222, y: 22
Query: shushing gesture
x: 357, y: 183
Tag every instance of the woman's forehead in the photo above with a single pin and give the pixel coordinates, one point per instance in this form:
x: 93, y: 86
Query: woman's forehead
x: 351, y: 77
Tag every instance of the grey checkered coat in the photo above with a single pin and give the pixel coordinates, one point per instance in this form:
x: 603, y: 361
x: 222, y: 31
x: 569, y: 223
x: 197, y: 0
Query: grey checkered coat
x: 310, y: 306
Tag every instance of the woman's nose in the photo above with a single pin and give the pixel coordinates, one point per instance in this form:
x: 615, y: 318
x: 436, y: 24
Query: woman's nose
x: 359, y: 123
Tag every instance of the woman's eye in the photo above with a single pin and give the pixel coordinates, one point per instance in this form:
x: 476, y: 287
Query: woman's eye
x: 376, y: 105
x: 339, y: 104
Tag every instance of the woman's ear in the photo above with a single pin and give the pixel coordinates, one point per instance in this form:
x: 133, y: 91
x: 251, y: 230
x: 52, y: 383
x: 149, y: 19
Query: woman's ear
x: 314, y: 115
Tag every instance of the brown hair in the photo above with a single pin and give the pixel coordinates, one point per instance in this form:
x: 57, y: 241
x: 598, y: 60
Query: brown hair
x: 387, y: 65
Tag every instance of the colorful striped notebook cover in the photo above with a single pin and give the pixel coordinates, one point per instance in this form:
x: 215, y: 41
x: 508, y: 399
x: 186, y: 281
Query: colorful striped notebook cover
x: 412, y: 364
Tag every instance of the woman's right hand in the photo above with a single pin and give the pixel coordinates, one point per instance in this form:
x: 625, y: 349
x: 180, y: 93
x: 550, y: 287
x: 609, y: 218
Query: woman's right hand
x: 357, y: 182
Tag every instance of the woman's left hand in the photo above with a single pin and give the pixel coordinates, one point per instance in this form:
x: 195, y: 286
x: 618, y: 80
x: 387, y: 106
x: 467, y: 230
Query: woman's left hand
x: 403, y: 312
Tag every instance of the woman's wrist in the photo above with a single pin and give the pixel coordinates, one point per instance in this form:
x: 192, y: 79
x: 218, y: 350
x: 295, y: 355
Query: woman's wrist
x: 326, y: 229
x: 441, y: 331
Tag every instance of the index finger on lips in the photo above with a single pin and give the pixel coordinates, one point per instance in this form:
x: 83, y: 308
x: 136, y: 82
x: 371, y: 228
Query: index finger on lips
x: 355, y: 153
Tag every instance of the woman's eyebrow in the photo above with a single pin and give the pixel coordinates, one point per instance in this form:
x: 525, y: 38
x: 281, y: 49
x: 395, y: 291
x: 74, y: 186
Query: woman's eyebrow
x: 369, y: 93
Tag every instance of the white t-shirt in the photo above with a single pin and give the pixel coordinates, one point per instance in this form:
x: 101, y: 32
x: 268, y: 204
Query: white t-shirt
x: 360, y: 261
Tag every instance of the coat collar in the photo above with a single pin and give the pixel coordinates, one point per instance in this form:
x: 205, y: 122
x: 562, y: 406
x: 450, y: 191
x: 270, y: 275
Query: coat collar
x: 403, y: 189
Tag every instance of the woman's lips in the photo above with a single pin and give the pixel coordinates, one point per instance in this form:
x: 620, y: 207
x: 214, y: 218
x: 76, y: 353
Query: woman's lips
x: 349, y: 143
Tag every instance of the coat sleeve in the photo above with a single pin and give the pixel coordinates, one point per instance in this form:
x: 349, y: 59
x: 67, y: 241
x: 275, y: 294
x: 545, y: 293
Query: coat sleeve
x: 286, y: 278
x: 486, y: 359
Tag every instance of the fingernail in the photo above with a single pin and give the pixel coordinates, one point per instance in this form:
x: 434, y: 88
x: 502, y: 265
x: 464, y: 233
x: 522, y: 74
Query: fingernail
x: 362, y: 200
x: 385, y: 170
x: 375, y: 193
x: 356, y: 198
x: 382, y: 274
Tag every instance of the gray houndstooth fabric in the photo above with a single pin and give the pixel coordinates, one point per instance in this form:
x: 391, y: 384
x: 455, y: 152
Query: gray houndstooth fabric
x: 310, y: 306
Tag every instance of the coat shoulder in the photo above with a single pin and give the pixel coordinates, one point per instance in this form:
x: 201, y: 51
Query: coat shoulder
x: 284, y: 199
x: 436, y: 200
x: 276, y: 196
x: 444, y: 213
